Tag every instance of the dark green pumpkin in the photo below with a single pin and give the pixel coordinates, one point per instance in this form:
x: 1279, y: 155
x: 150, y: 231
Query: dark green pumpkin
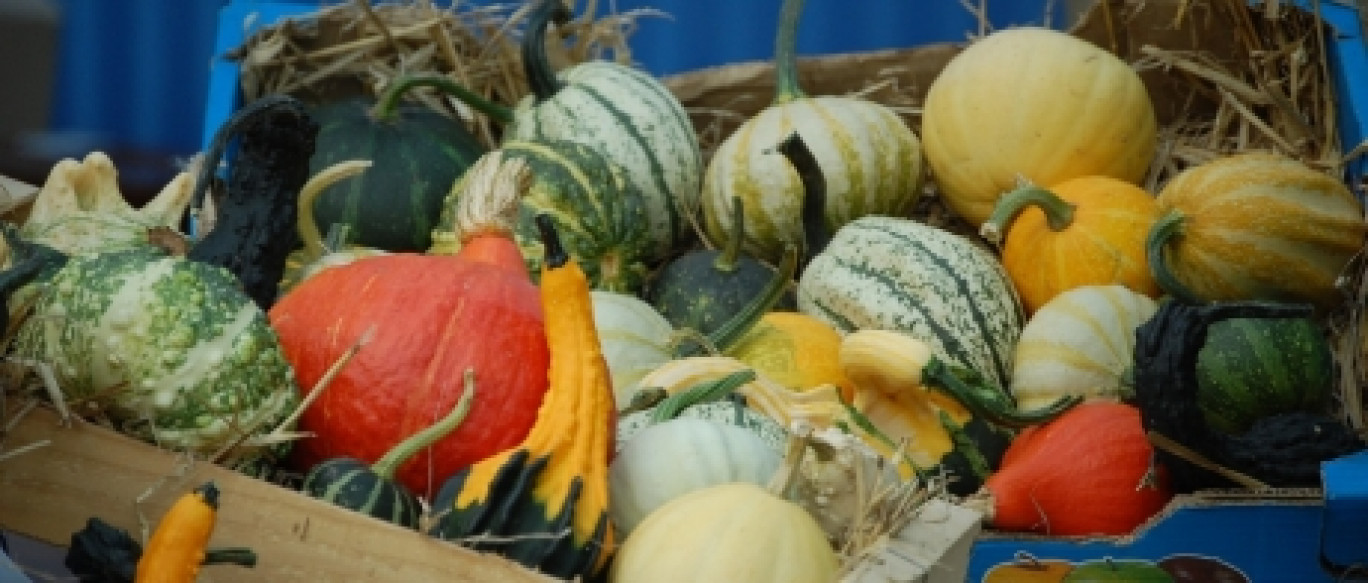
x: 371, y: 488
x: 417, y: 154
x: 600, y: 216
x: 1251, y: 368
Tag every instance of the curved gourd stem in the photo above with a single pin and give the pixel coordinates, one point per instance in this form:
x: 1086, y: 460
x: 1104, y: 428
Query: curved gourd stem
x: 1058, y: 212
x: 731, y: 252
x: 388, y: 103
x: 712, y: 390
x: 308, y: 195
x: 390, y: 462
x: 731, y: 331
x: 987, y: 401
x: 1167, y: 228
x: 786, y: 87
x: 815, y: 234
x: 541, y: 79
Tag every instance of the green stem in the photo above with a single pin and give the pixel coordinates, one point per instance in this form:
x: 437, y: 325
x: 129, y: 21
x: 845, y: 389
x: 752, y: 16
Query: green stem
x: 725, y: 336
x: 541, y: 78
x: 231, y: 556
x: 1058, y: 212
x: 670, y: 407
x: 386, y: 466
x: 986, y: 401
x: 731, y: 252
x: 1166, y: 229
x: 388, y: 103
x: 786, y: 87
x: 815, y: 234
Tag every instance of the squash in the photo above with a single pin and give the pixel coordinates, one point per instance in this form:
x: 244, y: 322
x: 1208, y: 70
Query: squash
x: 1088, y: 472
x: 675, y: 457
x: 1033, y: 103
x: 899, y: 274
x: 635, y: 339
x: 427, y: 319
x: 1082, y: 342
x: 1085, y: 231
x: 417, y: 152
x: 796, y: 350
x: 371, y: 489
x: 544, y: 502
x: 1251, y: 368
x: 177, y: 547
x: 1255, y: 226
x: 712, y: 398
x: 870, y: 160
x: 601, y: 216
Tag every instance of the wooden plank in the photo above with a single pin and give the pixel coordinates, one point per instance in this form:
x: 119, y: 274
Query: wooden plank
x: 88, y: 470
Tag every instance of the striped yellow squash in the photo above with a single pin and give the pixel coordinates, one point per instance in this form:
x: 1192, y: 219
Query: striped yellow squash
x: 871, y: 161
x: 1081, y: 342
x: 1033, y: 103
x: 1255, y: 226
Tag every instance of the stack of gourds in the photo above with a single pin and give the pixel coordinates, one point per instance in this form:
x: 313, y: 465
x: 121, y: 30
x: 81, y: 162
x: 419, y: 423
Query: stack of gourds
x: 593, y: 351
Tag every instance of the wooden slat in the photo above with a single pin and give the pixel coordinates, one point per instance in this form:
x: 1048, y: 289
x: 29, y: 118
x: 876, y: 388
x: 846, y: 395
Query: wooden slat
x: 88, y: 470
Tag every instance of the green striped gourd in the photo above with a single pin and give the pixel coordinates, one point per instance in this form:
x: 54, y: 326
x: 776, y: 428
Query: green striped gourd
x: 1081, y: 342
x: 626, y: 114
x: 601, y: 218
x: 1251, y: 368
x: 898, y: 274
x: 871, y: 161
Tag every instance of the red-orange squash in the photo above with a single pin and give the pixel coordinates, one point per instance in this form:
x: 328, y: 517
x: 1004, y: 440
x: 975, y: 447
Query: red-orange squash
x: 428, y: 319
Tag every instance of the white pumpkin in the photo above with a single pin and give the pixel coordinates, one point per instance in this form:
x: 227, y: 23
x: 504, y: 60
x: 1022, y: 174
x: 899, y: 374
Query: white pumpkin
x: 1081, y: 342
x: 635, y: 339
x: 675, y: 457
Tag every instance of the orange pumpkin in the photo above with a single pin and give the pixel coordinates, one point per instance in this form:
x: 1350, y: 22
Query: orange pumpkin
x: 1084, y: 231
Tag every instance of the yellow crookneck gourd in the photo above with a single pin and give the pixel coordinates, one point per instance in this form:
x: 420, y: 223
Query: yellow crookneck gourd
x: 544, y: 503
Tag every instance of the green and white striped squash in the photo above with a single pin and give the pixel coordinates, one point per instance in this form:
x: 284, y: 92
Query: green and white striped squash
x: 1081, y: 342
x: 172, y: 350
x: 870, y: 159
x: 675, y: 457
x: 898, y: 274
x: 599, y: 215
x: 625, y: 113
x: 730, y: 411
x: 634, y: 337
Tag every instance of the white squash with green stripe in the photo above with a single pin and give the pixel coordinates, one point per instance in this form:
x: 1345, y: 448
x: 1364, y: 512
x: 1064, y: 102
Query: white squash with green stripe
x: 871, y: 161
x: 898, y: 274
x: 1081, y: 342
x: 634, y: 337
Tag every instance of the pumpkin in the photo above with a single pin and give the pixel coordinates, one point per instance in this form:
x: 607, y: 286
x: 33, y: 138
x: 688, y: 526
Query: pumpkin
x: 795, y: 349
x: 635, y: 339
x: 1085, y: 231
x: 427, y: 319
x: 1255, y: 226
x: 417, y: 153
x: 1034, y: 103
x: 1251, y: 368
x: 1088, y: 472
x: 675, y: 457
x: 710, y: 399
x: 1082, y: 342
x: 600, y: 215
x: 544, y: 502
x: 870, y: 160
x: 371, y: 489
x: 899, y: 274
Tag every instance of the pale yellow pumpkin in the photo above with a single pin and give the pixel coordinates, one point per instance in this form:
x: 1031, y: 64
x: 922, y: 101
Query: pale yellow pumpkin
x: 1032, y: 103
x: 797, y: 350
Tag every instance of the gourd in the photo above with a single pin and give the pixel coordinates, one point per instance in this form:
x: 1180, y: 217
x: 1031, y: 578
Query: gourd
x: 601, y: 216
x: 947, y: 418
x: 544, y: 502
x: 796, y: 350
x: 177, y: 548
x: 426, y: 319
x: 870, y: 160
x: 1067, y: 108
x: 1088, y: 472
x: 737, y: 532
x: 370, y: 488
x: 675, y: 457
x: 635, y: 339
x: 1251, y: 368
x: 1088, y: 230
x: 899, y: 274
x: 1255, y: 226
x: 417, y: 152
x: 711, y: 398
x: 1082, y: 342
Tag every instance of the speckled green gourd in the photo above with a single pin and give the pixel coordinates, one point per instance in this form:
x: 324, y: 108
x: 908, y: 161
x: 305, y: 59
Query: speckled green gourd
x: 171, y: 349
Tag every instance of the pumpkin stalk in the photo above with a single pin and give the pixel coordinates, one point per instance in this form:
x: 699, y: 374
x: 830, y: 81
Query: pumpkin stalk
x: 726, y: 261
x: 1058, y: 212
x: 1168, y: 228
x: 387, y: 464
x: 541, y: 79
x: 712, y: 390
x: 389, y: 101
x: 785, y: 53
x: 305, y: 225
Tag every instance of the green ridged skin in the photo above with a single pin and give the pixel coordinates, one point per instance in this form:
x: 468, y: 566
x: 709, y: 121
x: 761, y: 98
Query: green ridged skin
x: 172, y: 349
x: 898, y: 274
x: 416, y: 157
x: 352, y: 484
x: 600, y: 217
x: 1251, y: 368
